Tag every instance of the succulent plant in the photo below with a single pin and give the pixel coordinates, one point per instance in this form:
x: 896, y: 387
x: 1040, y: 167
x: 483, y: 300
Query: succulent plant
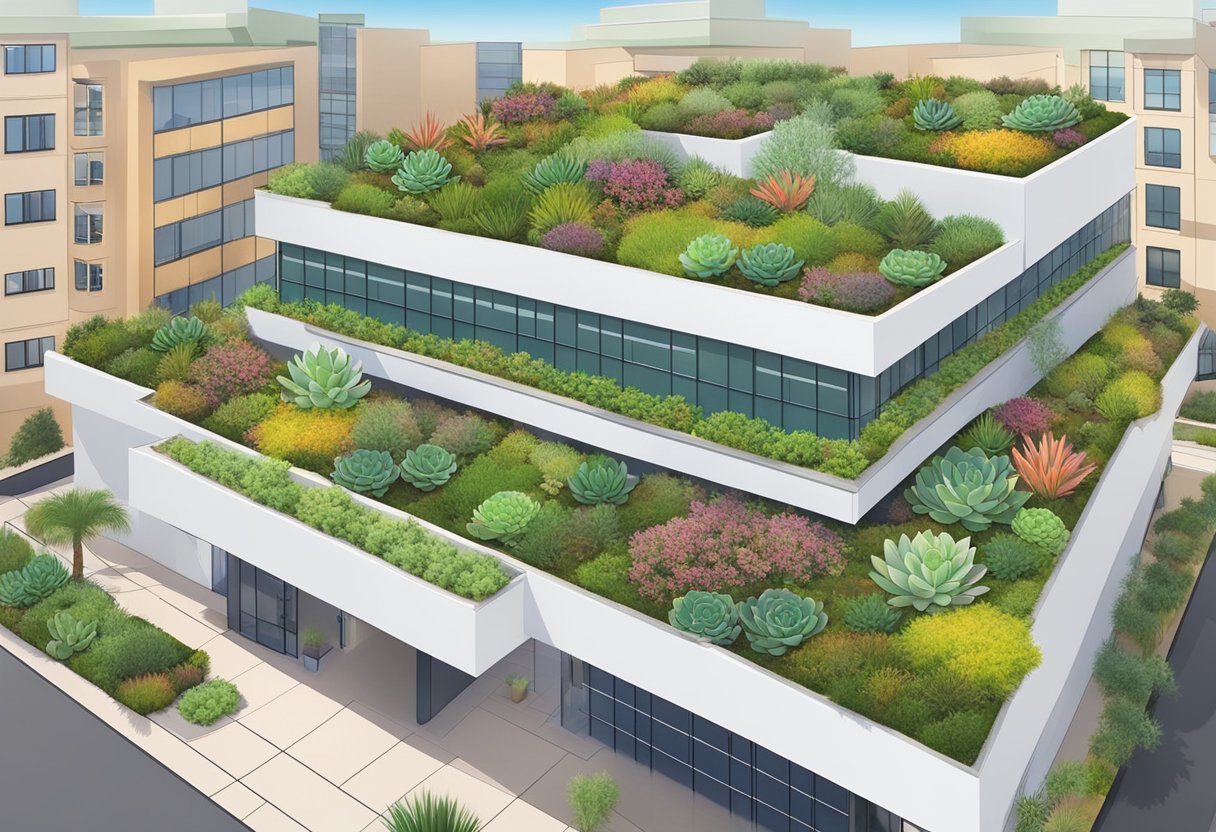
x: 68, y: 635
x: 1042, y: 114
x: 33, y: 582
x: 711, y: 616
x: 383, y: 156
x: 323, y: 379
x: 769, y: 264
x: 600, y: 481
x: 928, y: 570
x: 178, y: 331
x: 503, y: 517
x: 710, y: 255
x: 916, y: 269
x: 871, y: 614
x: 932, y: 114
x: 427, y: 467
x: 969, y: 488
x: 553, y: 170
x: 988, y: 435
x: 366, y: 472
x: 1042, y: 527
x: 780, y: 619
x: 422, y: 171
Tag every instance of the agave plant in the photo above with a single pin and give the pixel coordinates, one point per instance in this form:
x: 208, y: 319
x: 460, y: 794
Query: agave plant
x: 1042, y: 114
x: 366, y: 471
x: 779, y: 619
x: 33, y: 582
x: 1042, y: 527
x: 323, y: 379
x: 928, y: 570
x: 711, y: 616
x: 915, y: 269
x: 427, y: 813
x: 1051, y: 468
x: 480, y: 133
x: 787, y: 191
x: 931, y: 114
x: 553, y: 170
x: 769, y: 264
x: 601, y: 481
x: 503, y: 517
x: 969, y: 488
x: 422, y: 171
x: 383, y: 156
x: 427, y: 467
x: 709, y: 255
x: 178, y: 331
x: 428, y: 134
x: 68, y: 635
x: 988, y: 435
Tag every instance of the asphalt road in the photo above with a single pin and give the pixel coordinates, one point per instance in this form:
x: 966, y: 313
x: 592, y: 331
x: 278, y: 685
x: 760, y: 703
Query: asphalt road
x: 62, y: 768
x: 1172, y: 788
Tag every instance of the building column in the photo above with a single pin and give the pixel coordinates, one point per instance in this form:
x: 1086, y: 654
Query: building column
x: 438, y: 683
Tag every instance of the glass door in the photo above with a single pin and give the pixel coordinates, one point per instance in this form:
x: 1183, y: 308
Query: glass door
x: 262, y: 607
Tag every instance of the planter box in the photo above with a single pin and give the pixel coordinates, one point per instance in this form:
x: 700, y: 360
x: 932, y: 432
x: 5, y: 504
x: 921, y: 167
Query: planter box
x: 731, y: 155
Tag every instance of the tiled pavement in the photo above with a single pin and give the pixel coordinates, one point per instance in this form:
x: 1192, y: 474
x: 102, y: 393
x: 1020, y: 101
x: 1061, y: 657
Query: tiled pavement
x: 329, y: 752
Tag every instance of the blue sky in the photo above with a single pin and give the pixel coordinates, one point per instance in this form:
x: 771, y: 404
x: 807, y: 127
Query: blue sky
x: 872, y: 21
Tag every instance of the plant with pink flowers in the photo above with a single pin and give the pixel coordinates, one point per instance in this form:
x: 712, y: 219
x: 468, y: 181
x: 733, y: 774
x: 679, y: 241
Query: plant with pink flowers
x: 726, y: 544
x: 1024, y: 415
x: 638, y: 185
x: 1068, y: 138
x: 853, y: 292
x: 233, y: 368
x: 524, y: 106
x: 730, y: 124
x: 574, y: 238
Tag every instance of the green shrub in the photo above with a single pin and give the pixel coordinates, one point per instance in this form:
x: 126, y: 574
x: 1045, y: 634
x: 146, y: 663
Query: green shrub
x: 665, y: 117
x: 1137, y: 677
x: 557, y: 462
x: 145, y: 649
x: 547, y: 536
x: 147, y: 693
x: 1201, y: 407
x: 811, y: 240
x: 1010, y: 558
x: 182, y: 400
x: 656, y: 499
x: 359, y: 198
x: 1132, y: 386
x: 1172, y: 547
x: 137, y: 365
x: 980, y: 110
x: 82, y: 600
x: 205, y: 703
x: 805, y: 146
x: 704, y: 101
x: 387, y: 425
x: 963, y: 239
x: 851, y: 237
x: 99, y: 341
x: 960, y: 735
x: 979, y: 643
x: 1124, y: 727
x: 1018, y: 598
x: 477, y: 482
x: 1164, y: 588
x: 870, y: 614
x: 15, y: 552
x: 592, y: 799
x: 905, y: 222
x: 1086, y: 373
x: 235, y: 417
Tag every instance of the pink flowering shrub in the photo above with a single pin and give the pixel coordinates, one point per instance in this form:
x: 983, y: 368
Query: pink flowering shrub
x: 1068, y: 138
x: 1024, y: 415
x: 730, y: 124
x: 854, y: 292
x: 637, y: 184
x: 725, y: 544
x: 233, y: 368
x: 574, y: 238
x: 524, y: 106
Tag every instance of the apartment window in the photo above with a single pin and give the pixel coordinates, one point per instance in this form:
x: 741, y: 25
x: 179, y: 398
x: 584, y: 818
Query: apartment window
x: 24, y: 355
x: 86, y: 109
x: 1163, y: 89
x: 1163, y: 267
x: 30, y: 280
x: 88, y: 276
x: 29, y: 206
x: 1106, y: 75
x: 1161, y: 205
x: 181, y: 239
x: 29, y: 59
x: 87, y: 218
x: 499, y: 65
x: 25, y: 134
x: 90, y: 168
x: 1163, y: 147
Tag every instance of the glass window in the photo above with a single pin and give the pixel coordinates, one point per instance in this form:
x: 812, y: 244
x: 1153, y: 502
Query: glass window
x: 1163, y: 89
x: 1106, y: 75
x: 27, y: 59
x: 87, y: 109
x: 1163, y: 267
x: 1162, y: 206
x: 22, y: 355
x: 30, y: 280
x: 25, y: 134
x: 1163, y: 147
x: 29, y: 206
x: 88, y: 276
x: 87, y: 218
x: 89, y: 168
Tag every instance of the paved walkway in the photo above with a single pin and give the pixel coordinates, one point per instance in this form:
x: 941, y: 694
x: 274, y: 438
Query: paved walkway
x: 329, y: 752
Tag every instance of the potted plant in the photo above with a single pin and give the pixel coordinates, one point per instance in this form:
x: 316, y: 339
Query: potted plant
x: 518, y: 685
x: 316, y: 645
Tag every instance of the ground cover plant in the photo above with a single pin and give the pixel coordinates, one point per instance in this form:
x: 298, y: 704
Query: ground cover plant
x: 917, y: 618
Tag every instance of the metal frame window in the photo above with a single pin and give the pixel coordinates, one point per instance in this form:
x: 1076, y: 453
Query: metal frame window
x: 499, y: 65
x: 336, y: 85
x: 1163, y: 267
x: 29, y: 134
x: 1163, y: 147
x: 27, y: 354
x: 30, y: 280
x: 29, y: 58
x: 1106, y: 71
x: 1162, y: 206
x: 28, y: 207
x: 88, y: 276
x: 87, y: 220
x: 223, y: 288
x: 198, y: 170
x: 87, y: 109
x: 201, y: 102
x: 89, y: 168
x: 1163, y: 89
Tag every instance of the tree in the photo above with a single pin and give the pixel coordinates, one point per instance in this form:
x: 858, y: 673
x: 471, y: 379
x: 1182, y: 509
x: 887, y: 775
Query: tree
x: 74, y: 517
x: 38, y: 435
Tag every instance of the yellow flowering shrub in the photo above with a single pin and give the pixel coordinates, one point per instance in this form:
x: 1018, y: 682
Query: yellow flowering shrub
x: 657, y: 90
x: 1007, y: 152
x: 306, y: 438
x: 851, y: 262
x: 989, y: 648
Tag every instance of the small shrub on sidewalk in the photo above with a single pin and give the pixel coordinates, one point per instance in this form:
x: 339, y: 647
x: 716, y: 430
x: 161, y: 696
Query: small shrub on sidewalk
x: 592, y: 799
x: 206, y: 703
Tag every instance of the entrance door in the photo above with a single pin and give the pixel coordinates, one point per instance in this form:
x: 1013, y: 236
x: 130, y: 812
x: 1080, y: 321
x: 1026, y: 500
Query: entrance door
x: 262, y: 607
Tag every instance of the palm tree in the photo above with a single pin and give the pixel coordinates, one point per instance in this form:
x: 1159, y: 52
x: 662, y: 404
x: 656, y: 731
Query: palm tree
x: 74, y: 517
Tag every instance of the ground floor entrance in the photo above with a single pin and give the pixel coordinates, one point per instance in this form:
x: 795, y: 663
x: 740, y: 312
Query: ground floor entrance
x: 262, y: 607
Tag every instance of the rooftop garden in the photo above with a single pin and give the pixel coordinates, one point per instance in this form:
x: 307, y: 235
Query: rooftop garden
x: 918, y: 618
